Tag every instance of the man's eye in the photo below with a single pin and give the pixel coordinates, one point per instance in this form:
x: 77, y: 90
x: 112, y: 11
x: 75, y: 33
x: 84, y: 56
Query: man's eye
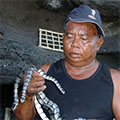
x: 83, y: 38
x: 70, y: 37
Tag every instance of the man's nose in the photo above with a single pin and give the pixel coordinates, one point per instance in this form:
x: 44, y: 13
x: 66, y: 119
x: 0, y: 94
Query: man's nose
x: 76, y: 42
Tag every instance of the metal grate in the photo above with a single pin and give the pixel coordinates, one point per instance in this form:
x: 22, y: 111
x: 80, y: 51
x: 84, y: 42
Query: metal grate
x: 50, y: 40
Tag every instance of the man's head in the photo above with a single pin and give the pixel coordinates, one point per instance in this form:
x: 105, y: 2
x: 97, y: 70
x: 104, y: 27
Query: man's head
x: 81, y: 40
x: 86, y: 14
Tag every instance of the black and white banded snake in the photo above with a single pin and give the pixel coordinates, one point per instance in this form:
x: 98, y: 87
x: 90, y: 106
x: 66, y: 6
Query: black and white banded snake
x: 41, y: 100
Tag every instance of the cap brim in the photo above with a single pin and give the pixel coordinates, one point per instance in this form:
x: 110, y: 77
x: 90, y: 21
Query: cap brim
x: 83, y: 20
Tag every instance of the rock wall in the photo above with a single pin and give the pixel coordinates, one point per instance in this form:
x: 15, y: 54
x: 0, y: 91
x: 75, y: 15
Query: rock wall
x: 20, y: 21
x: 19, y: 24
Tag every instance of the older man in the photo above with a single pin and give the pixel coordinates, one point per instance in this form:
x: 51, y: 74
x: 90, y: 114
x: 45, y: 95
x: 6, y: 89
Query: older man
x: 92, y: 88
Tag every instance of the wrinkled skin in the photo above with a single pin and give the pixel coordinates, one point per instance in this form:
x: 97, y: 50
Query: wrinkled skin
x: 81, y: 43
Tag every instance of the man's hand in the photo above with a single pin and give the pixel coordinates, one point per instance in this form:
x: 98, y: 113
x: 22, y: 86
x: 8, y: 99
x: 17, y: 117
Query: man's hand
x: 35, y: 85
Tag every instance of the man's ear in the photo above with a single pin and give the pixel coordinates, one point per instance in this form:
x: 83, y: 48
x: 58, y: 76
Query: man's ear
x: 99, y: 43
x: 63, y: 36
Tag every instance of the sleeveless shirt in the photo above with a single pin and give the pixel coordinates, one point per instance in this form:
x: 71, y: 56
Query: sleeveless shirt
x: 89, y: 98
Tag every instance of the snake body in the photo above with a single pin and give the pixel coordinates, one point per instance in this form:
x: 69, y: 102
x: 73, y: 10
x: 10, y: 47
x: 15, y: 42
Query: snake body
x: 41, y: 100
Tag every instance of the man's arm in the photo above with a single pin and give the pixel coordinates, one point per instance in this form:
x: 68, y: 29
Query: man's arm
x: 26, y: 110
x: 116, y: 95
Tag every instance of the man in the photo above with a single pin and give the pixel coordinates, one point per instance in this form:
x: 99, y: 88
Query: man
x: 92, y: 88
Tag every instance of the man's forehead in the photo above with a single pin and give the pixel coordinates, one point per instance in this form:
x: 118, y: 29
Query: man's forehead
x: 80, y: 26
x: 83, y: 27
x: 71, y: 33
x: 77, y: 24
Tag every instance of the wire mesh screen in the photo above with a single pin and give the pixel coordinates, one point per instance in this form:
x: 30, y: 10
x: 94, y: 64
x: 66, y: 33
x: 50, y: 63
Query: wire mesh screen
x: 50, y: 40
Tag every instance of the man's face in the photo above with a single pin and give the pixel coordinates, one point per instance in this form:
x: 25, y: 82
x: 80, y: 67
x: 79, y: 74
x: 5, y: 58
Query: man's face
x: 81, y: 43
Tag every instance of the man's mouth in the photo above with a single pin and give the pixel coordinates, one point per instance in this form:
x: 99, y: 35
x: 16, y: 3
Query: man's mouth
x: 74, y: 55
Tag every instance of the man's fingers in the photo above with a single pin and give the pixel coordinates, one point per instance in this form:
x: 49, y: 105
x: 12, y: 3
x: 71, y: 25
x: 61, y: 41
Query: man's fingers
x: 33, y: 91
x: 34, y: 84
x: 36, y: 77
x: 36, y: 74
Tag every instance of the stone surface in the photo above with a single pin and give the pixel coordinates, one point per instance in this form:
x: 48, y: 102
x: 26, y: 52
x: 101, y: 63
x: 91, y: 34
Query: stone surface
x: 20, y: 21
x: 19, y: 38
x: 16, y: 56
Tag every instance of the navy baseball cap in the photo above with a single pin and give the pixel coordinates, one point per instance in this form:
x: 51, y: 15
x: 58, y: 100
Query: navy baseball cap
x: 84, y: 13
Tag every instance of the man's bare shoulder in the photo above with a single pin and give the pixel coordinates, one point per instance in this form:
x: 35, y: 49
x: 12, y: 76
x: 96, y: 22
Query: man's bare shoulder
x: 45, y: 67
x: 115, y: 75
x: 116, y: 96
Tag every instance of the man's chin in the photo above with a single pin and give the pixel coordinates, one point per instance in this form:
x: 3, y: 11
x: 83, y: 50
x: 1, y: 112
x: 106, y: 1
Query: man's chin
x: 76, y: 58
x: 75, y: 61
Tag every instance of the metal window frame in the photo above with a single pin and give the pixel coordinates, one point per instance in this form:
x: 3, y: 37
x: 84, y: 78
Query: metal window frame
x: 50, y: 40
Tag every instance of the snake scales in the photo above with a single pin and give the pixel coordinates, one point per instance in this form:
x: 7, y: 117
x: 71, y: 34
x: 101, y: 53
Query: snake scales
x: 41, y: 100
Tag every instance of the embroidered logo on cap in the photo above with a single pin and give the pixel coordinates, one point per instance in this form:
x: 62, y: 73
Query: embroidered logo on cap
x: 93, y: 15
x: 93, y: 12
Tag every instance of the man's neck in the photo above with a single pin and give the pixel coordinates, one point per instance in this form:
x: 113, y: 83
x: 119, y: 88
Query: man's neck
x: 81, y: 72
